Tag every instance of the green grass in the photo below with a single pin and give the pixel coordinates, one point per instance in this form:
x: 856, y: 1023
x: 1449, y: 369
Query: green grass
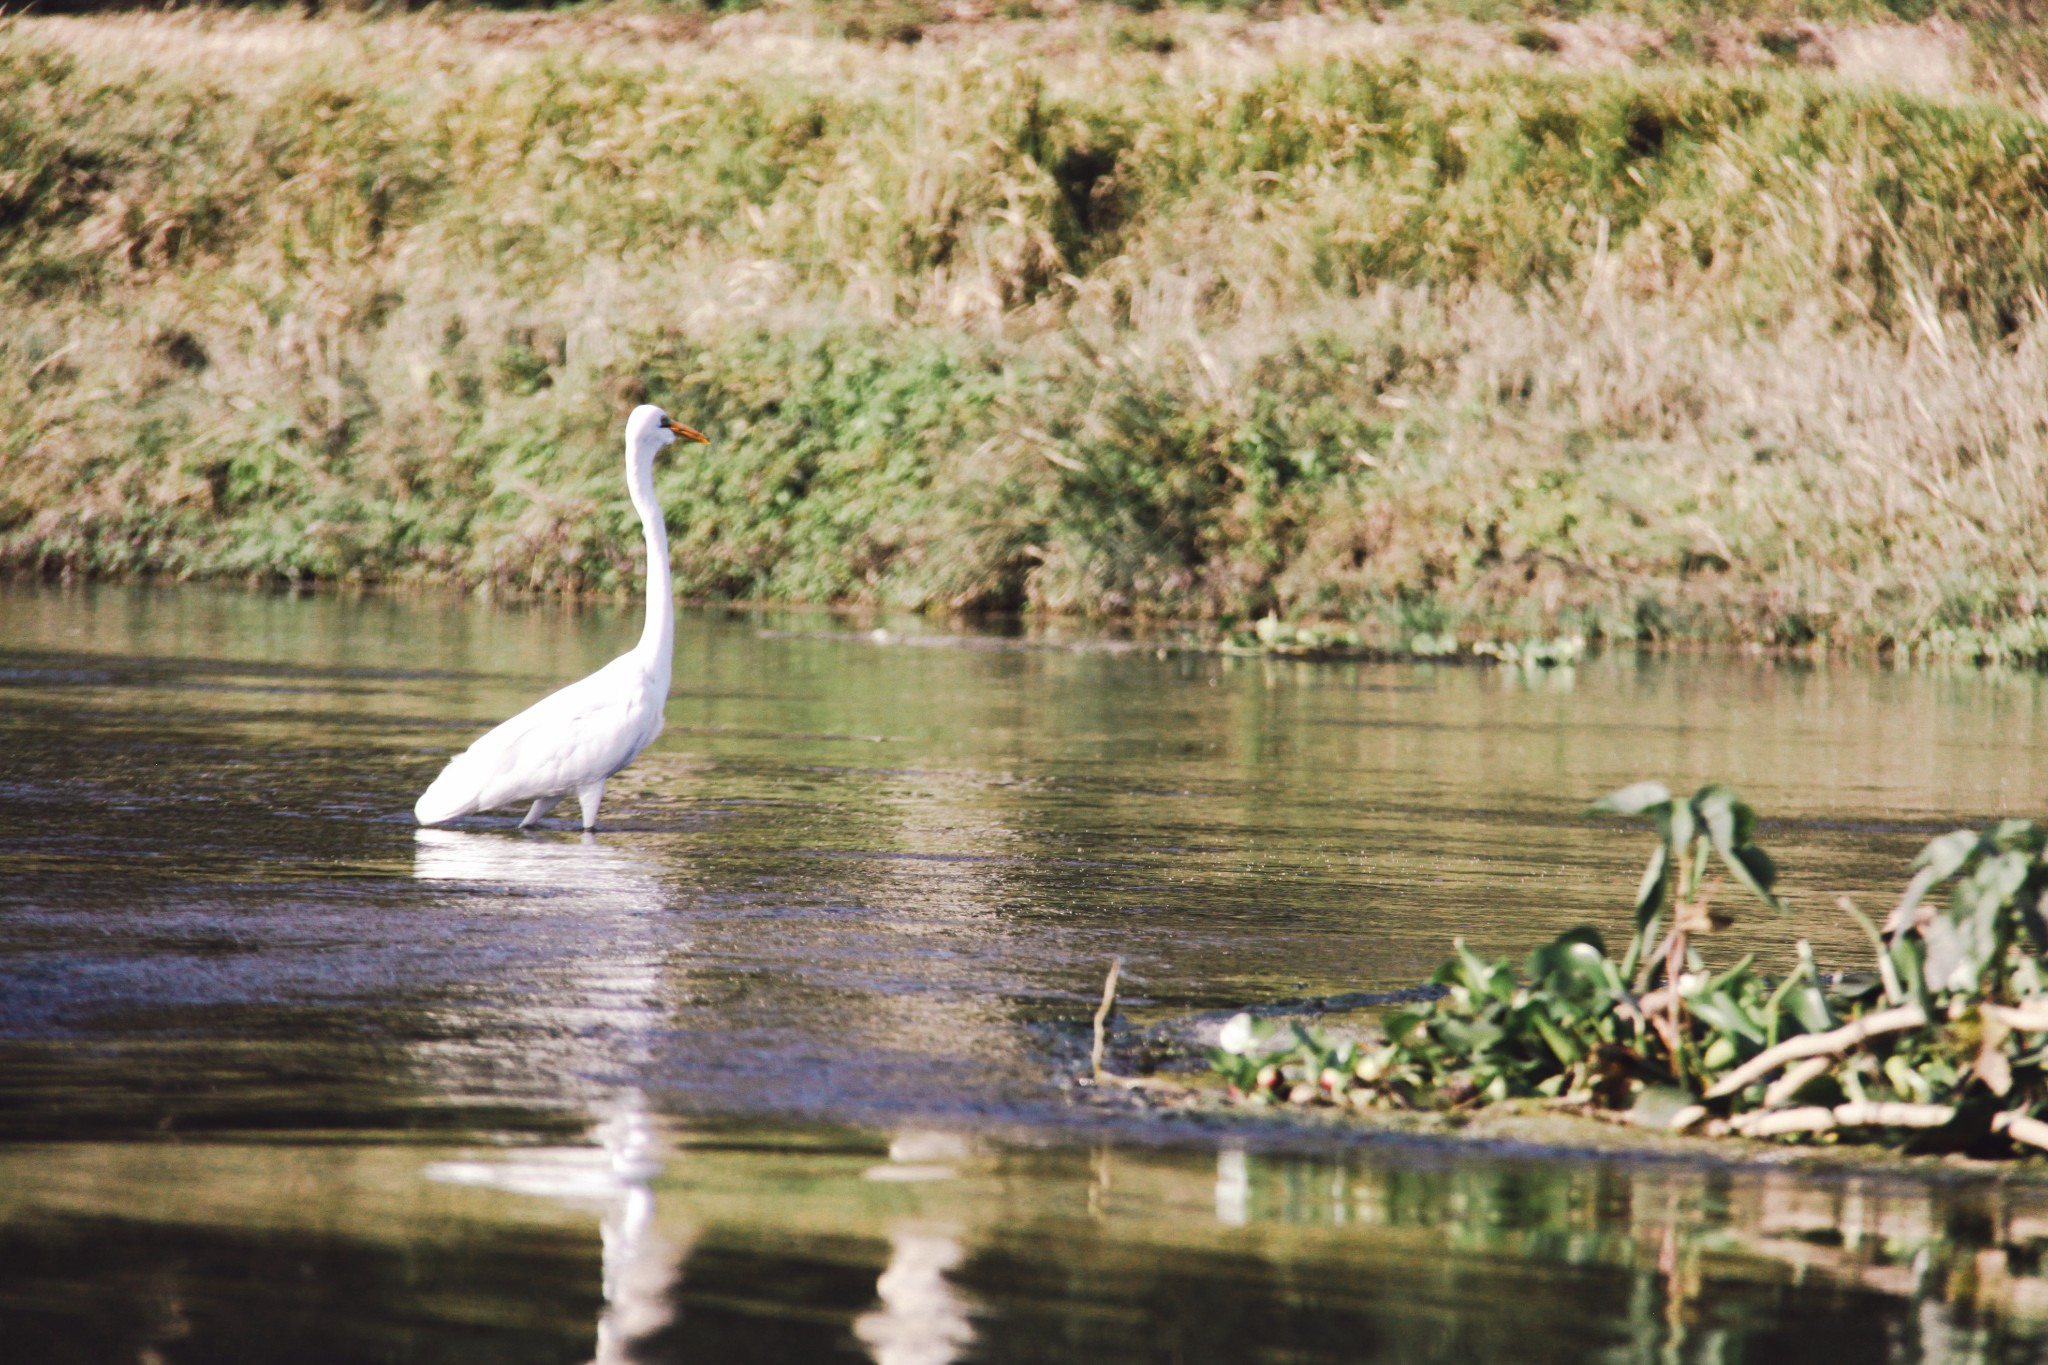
x: 1210, y: 327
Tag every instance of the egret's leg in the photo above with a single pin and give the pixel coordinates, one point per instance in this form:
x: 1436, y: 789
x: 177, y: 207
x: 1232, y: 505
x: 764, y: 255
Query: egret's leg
x: 590, y: 797
x: 540, y: 808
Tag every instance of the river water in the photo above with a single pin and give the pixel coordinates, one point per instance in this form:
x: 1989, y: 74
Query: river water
x: 777, y: 1066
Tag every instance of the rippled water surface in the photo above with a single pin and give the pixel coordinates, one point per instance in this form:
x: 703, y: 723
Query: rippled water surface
x: 776, y: 1066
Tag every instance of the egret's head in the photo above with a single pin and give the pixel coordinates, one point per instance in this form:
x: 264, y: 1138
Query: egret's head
x: 652, y: 428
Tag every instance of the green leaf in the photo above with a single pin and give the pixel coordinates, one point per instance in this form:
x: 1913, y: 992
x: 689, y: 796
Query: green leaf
x: 1888, y: 972
x: 1732, y: 975
x: 1906, y: 1081
x: 1402, y: 1025
x: 1729, y: 822
x: 1720, y: 1011
x: 1478, y: 975
x: 1807, y: 1001
x: 1644, y: 942
x: 1753, y: 867
x: 1997, y: 880
x: 1469, y: 1038
x: 2026, y: 904
x: 2016, y: 836
x: 1632, y: 800
x: 1650, y: 894
x: 1948, y: 955
x: 1901, y: 917
x: 1679, y: 827
x: 1945, y: 854
x: 1564, y: 1049
x: 1941, y: 859
x: 1979, y: 929
x: 1774, y: 1011
x: 1909, y: 955
x: 1720, y: 1054
x: 1810, y: 1007
x: 1572, y: 962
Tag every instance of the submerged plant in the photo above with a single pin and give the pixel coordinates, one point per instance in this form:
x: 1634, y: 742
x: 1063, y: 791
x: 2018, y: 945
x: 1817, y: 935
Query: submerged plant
x: 1945, y: 1041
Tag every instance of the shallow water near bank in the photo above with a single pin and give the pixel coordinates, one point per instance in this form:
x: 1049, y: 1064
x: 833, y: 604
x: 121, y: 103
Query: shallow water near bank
x: 776, y: 1066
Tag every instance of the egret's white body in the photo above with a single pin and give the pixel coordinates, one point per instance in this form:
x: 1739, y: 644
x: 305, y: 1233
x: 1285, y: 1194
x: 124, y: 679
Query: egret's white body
x: 574, y: 740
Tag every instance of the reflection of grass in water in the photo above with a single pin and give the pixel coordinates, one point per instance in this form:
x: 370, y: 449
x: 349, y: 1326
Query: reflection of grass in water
x: 1642, y: 352
x: 1695, y: 1238
x: 1352, y: 1234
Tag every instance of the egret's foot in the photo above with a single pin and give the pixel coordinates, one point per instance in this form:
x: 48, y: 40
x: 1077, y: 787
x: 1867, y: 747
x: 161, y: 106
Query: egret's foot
x: 590, y: 798
x: 540, y: 808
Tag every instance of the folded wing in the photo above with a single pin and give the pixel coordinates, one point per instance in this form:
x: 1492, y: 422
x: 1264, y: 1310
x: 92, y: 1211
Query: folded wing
x: 567, y: 740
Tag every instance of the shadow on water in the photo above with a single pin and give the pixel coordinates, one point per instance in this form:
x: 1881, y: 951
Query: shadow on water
x: 771, y: 1068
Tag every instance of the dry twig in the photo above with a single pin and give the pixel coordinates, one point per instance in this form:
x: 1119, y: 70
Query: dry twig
x: 1116, y: 966
x: 1893, y: 1114
x: 1102, y: 1013
x: 2020, y: 1128
x: 1811, y: 1118
x: 1794, y: 1080
x: 1831, y: 1043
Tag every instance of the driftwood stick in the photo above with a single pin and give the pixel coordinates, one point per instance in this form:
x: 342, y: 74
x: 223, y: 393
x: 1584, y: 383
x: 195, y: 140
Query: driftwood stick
x: 1894, y: 1114
x: 1116, y: 966
x: 1786, y: 1086
x: 1811, y: 1118
x: 2030, y: 1017
x: 1814, y: 1118
x: 2020, y: 1128
x: 1690, y: 1116
x: 1895, y: 1020
x: 1101, y: 1077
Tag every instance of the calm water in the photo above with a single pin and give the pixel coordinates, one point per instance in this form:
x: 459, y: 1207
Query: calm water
x: 774, y: 1067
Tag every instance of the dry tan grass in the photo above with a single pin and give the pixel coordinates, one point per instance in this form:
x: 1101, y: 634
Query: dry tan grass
x: 240, y: 46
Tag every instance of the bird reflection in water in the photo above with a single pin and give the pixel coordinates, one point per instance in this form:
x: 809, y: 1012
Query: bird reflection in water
x: 591, y: 1015
x: 579, y: 939
x: 922, y: 1319
x: 586, y: 944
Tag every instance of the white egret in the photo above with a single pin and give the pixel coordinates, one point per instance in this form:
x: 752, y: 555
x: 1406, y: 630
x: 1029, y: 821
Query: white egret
x: 575, y: 739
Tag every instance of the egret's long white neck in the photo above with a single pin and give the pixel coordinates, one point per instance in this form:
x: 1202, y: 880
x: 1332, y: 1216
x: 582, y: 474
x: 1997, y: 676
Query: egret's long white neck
x: 657, y: 640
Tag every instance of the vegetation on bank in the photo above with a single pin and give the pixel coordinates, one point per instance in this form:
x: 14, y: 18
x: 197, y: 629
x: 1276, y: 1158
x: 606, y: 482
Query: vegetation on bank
x: 1390, y: 330
x: 1944, y: 1045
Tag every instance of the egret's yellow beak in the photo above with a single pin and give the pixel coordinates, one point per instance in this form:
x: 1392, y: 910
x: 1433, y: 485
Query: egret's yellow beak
x: 687, y: 433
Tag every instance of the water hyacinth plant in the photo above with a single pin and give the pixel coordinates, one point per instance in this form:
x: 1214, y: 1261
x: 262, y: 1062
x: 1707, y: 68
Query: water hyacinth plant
x: 1943, y: 1045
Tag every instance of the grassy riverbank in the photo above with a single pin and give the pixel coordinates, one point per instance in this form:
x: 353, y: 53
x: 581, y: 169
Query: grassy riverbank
x: 1427, y: 323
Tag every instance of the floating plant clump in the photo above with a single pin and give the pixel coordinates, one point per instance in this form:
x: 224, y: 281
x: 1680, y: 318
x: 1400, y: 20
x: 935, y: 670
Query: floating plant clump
x: 1943, y: 1045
